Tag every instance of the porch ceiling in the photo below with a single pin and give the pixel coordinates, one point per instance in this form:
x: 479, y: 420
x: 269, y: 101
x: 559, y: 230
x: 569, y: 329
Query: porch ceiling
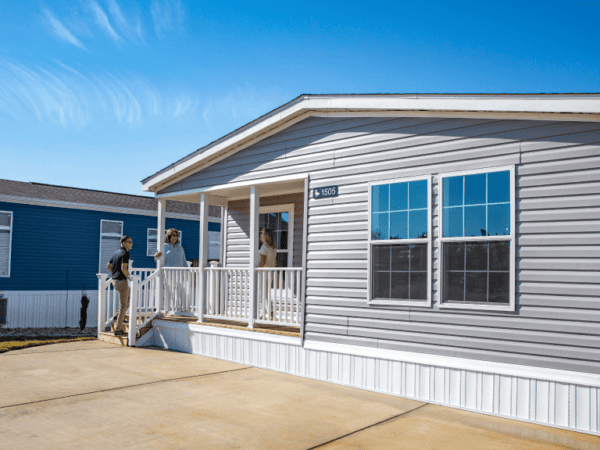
x: 220, y: 195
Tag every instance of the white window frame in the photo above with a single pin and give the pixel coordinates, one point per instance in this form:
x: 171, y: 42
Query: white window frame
x: 180, y: 240
x: 4, y: 228
x: 429, y: 240
x: 286, y: 208
x: 107, y: 234
x: 479, y: 306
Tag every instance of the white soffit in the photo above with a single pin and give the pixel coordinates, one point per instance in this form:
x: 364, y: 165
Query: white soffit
x: 574, y: 107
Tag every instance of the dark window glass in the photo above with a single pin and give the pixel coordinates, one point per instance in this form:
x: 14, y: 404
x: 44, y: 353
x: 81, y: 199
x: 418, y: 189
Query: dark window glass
x: 399, y: 285
x: 453, y: 222
x: 499, y: 220
x: 417, y: 197
x: 379, y: 226
x: 401, y: 264
x: 282, y: 259
x: 380, y: 198
x: 454, y: 256
x: 399, y: 197
x: 484, y: 276
x: 500, y: 256
x: 418, y: 257
x: 476, y: 289
x: 475, y: 221
x: 499, y: 287
x: 399, y: 225
x: 400, y: 257
x: 283, y: 240
x: 381, y: 257
x: 418, y: 285
x: 381, y: 285
x: 477, y: 256
x: 475, y: 189
x: 454, y: 286
x: 453, y: 191
x: 499, y: 187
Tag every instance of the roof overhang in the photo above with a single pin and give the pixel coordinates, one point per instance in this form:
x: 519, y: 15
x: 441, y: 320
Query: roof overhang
x: 563, y: 107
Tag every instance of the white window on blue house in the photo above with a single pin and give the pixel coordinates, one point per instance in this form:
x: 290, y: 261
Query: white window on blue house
x: 151, y: 243
x: 111, y: 232
x: 400, y: 242
x: 478, y: 239
x: 5, y: 243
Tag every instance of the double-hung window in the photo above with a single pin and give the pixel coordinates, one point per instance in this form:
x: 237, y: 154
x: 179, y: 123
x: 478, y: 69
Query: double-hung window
x: 400, y: 242
x: 5, y: 242
x: 111, y: 232
x: 478, y: 239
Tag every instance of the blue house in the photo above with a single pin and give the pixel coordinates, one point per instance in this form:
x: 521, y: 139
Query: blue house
x: 55, y: 239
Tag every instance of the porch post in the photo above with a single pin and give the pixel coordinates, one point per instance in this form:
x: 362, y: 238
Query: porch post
x: 254, y: 211
x: 202, y: 257
x: 160, y: 247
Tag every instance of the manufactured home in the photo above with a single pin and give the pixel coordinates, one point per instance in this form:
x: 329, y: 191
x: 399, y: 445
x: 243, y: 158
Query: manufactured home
x: 55, y: 239
x: 436, y: 247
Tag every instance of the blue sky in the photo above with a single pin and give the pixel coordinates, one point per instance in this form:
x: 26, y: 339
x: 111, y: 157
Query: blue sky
x: 99, y: 94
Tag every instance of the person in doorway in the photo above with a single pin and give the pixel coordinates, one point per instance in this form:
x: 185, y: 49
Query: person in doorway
x: 118, y: 267
x: 268, y: 258
x: 267, y: 252
x: 174, y: 254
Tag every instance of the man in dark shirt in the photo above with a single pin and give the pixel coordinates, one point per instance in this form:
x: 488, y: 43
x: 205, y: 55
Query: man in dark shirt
x: 118, y: 267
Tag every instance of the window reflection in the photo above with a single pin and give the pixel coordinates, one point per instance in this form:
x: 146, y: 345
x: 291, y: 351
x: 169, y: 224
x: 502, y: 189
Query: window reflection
x: 399, y: 271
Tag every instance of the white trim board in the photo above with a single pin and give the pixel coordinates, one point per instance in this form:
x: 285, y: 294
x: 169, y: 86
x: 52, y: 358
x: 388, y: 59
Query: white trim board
x: 527, y: 396
x: 103, y: 208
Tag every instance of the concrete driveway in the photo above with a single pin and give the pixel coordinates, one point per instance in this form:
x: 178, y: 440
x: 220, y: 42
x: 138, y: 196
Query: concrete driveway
x: 96, y: 395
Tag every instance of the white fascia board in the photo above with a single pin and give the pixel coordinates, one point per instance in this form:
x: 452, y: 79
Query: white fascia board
x: 585, y: 105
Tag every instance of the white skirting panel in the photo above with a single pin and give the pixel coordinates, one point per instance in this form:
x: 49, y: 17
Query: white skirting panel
x: 41, y: 309
x: 561, y: 399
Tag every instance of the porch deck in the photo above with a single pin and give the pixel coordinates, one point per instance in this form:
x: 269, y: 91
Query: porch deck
x: 258, y: 328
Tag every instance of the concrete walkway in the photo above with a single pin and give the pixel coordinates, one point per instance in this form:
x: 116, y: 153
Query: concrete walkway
x: 96, y: 395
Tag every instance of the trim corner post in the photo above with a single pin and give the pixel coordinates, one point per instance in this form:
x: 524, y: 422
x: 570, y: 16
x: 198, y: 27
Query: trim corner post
x: 202, y: 257
x: 254, y: 212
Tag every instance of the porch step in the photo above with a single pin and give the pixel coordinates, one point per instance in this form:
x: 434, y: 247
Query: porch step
x: 109, y: 336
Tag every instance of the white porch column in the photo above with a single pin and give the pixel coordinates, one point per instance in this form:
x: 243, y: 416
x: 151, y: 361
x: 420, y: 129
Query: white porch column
x: 160, y: 247
x: 254, y: 211
x: 202, y: 257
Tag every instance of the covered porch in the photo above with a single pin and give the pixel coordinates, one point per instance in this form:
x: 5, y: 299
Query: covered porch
x: 234, y: 291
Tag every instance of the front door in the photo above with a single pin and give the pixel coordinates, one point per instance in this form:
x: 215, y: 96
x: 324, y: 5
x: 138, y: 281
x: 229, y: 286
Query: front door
x: 280, y: 220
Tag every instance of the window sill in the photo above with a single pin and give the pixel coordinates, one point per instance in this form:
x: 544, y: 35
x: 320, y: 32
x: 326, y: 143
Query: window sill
x: 478, y: 306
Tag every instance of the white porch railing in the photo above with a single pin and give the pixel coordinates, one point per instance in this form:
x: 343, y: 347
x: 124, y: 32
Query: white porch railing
x: 227, y: 296
x: 279, y: 295
x: 227, y: 293
x: 180, y: 292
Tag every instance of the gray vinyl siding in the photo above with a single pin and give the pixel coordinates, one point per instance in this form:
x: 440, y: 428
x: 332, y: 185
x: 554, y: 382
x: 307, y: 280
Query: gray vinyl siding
x: 557, y: 317
x: 238, y: 228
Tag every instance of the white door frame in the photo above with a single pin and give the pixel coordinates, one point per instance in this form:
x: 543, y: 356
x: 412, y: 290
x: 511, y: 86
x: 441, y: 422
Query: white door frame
x: 288, y: 208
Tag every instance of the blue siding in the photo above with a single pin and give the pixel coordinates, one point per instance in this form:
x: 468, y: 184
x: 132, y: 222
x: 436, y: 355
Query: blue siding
x: 47, y: 242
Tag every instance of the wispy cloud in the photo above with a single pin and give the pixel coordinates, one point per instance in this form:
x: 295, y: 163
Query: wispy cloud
x: 134, y: 31
x: 60, y: 31
x: 60, y: 94
x: 167, y: 15
x: 103, y: 22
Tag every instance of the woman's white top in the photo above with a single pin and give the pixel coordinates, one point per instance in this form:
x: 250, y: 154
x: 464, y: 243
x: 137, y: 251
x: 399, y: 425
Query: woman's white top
x: 270, y: 253
x: 174, y: 256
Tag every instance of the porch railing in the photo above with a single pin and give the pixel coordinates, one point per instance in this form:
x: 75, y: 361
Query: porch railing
x: 227, y: 296
x: 227, y: 293
x: 279, y: 295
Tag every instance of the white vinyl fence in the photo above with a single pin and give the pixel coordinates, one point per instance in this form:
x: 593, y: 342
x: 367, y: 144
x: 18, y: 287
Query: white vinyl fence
x: 49, y: 309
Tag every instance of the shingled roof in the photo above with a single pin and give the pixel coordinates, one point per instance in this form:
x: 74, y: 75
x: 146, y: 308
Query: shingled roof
x: 39, y: 191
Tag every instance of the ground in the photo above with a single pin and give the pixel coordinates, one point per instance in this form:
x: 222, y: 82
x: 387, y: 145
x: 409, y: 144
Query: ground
x: 96, y: 395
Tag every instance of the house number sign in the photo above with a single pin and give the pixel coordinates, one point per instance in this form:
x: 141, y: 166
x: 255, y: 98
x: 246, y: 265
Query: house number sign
x: 325, y: 192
